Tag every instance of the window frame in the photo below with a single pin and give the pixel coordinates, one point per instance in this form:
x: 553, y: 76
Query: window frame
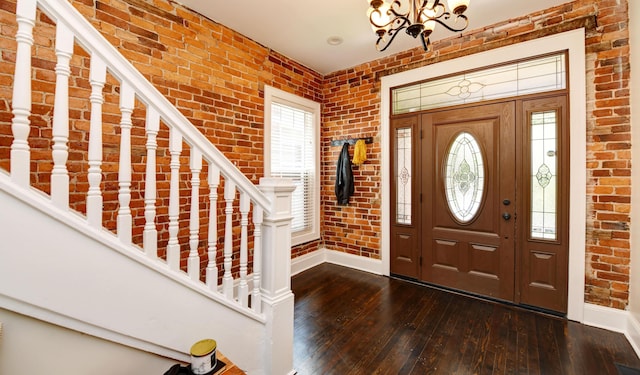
x: 274, y: 95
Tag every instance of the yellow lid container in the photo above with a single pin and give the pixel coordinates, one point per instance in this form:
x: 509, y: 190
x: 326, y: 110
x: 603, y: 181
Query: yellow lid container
x: 203, y: 357
x: 203, y: 347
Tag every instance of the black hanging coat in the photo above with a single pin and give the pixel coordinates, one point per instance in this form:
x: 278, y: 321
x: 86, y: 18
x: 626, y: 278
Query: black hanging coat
x: 344, y: 177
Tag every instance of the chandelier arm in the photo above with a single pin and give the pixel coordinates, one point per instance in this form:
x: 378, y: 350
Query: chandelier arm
x: 450, y: 28
x: 425, y: 42
x: 438, y: 9
x: 392, y: 33
x: 374, y: 22
x: 393, y: 27
x: 392, y: 9
x: 401, y: 19
x: 426, y: 2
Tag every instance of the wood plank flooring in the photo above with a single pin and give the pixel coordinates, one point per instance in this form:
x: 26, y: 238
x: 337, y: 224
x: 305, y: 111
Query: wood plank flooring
x: 352, y: 322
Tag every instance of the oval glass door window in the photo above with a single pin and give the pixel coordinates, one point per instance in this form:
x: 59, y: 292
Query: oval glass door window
x: 464, y: 177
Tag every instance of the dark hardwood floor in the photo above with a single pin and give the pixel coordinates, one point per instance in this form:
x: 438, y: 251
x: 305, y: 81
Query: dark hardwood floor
x: 352, y: 322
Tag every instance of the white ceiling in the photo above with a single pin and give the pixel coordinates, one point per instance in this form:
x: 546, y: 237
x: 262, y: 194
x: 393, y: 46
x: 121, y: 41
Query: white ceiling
x: 299, y: 29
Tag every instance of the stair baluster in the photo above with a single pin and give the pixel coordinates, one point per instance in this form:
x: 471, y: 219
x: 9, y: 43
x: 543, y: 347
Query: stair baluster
x: 243, y: 288
x: 97, y: 79
x: 193, y: 265
x: 256, y: 296
x: 173, y: 246
x: 20, y: 125
x: 212, y: 240
x: 127, y: 101
x: 150, y: 233
x: 60, y: 131
x: 227, y: 279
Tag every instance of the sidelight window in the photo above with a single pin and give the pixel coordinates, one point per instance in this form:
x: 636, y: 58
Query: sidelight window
x: 544, y: 179
x: 403, y: 176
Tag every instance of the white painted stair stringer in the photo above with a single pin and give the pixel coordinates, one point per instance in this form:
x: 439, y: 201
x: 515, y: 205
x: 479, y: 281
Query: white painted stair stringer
x: 57, y: 269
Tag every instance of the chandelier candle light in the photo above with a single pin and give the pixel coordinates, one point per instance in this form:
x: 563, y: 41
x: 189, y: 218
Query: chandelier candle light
x: 388, y: 17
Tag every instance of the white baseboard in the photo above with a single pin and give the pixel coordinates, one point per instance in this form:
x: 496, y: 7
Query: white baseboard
x: 614, y: 320
x: 633, y: 332
x: 307, y: 261
x: 353, y: 261
x: 322, y: 255
x: 606, y: 318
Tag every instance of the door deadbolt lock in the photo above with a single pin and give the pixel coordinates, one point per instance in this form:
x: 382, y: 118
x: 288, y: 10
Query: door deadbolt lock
x: 506, y: 202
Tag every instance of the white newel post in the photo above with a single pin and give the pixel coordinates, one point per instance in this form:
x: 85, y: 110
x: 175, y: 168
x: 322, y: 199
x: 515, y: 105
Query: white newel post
x: 277, y: 298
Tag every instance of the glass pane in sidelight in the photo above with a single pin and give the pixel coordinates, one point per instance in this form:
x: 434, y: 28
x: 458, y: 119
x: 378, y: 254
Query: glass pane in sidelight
x: 464, y: 177
x: 403, y: 176
x: 542, y: 74
x: 544, y: 178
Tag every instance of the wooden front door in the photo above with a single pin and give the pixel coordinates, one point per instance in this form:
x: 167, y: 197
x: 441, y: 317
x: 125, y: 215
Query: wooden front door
x: 468, y: 232
x: 466, y: 201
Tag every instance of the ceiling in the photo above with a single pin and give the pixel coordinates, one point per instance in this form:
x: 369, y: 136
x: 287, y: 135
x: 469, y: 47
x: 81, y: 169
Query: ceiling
x: 299, y: 29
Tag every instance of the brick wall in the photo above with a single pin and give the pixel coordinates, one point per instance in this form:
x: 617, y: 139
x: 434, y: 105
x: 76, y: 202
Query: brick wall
x: 352, y: 100
x: 213, y: 75
x: 352, y: 110
x: 216, y: 78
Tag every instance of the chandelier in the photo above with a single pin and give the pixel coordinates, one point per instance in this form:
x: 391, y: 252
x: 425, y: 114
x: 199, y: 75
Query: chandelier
x: 388, y: 17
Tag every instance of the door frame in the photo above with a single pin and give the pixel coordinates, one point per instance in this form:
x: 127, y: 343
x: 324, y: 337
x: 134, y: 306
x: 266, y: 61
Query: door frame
x: 572, y: 41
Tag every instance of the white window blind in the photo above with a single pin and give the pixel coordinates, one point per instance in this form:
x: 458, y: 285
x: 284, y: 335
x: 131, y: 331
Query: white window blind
x: 292, y: 156
x: 291, y: 151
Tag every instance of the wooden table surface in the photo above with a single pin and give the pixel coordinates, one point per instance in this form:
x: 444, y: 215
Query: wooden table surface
x: 231, y: 368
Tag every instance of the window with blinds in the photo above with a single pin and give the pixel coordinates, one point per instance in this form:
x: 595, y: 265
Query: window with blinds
x: 291, y: 128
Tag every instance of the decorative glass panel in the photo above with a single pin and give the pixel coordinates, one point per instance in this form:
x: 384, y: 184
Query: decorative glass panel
x: 403, y: 176
x: 526, y: 77
x: 544, y: 165
x: 464, y: 177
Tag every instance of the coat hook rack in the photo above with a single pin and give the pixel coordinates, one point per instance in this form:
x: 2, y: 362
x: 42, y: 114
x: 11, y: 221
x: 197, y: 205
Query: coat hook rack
x: 351, y: 141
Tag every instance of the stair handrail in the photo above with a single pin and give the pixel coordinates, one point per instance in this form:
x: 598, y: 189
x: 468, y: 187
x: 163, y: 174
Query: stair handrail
x: 94, y: 43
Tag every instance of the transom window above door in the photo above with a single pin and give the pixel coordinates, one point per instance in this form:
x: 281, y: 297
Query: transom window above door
x: 541, y: 74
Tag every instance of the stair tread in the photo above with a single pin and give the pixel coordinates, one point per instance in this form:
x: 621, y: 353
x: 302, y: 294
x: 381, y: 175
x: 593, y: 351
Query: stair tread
x: 231, y: 368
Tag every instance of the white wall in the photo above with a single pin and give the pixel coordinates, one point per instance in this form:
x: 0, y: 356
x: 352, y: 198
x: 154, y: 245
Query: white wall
x: 30, y: 346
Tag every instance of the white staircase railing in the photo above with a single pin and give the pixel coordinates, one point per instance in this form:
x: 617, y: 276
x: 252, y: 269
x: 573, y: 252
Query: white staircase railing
x: 153, y: 188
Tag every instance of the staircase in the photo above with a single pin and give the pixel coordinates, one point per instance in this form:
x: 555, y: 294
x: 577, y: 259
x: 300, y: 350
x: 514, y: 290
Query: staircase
x: 119, y: 219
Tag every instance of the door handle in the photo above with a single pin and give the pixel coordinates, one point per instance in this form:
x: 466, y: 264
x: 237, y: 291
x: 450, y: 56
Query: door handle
x: 506, y: 216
